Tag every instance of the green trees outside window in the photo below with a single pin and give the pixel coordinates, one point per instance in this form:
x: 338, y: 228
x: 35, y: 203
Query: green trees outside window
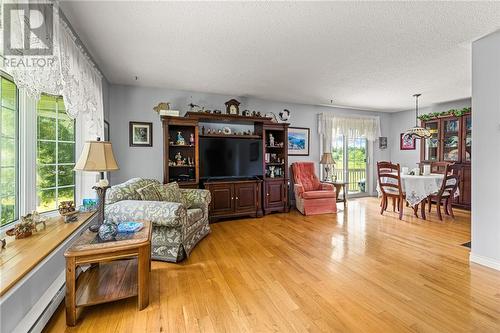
x: 55, y: 153
x: 8, y: 151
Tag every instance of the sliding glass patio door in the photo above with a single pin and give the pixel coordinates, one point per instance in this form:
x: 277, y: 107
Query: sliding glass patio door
x: 351, y: 163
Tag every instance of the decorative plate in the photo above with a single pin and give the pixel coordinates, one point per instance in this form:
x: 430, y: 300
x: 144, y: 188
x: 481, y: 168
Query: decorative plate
x: 226, y: 130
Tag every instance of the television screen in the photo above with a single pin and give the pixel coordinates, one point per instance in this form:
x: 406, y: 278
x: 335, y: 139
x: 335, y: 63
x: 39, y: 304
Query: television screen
x: 229, y: 157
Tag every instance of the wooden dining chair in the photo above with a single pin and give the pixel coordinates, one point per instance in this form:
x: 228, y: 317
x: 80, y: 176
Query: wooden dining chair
x: 388, y: 171
x: 448, y: 187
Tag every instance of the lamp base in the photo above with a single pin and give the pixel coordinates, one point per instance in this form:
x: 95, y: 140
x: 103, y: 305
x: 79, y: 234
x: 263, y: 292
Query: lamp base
x: 101, y: 197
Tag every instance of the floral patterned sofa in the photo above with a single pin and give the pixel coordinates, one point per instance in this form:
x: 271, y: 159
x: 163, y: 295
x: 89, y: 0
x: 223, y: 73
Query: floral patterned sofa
x: 177, y: 226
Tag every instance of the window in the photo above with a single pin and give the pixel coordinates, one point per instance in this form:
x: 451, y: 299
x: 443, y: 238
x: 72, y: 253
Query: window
x: 8, y: 152
x: 350, y: 156
x: 55, y: 154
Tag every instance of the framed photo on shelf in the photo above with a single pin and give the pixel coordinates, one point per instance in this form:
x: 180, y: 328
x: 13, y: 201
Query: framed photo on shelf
x: 140, y: 134
x: 298, y: 141
x: 407, y: 143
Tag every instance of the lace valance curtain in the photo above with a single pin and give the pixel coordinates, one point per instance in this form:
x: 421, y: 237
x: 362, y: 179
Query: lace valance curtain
x: 70, y: 74
x: 331, y: 126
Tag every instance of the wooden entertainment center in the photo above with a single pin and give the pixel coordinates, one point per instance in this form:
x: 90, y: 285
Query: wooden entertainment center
x: 254, y: 196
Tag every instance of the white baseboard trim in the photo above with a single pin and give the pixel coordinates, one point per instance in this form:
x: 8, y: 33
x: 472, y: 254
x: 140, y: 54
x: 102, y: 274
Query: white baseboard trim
x: 485, y: 261
x: 49, y: 302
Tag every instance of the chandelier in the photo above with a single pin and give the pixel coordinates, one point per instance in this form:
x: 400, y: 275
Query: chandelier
x: 417, y: 132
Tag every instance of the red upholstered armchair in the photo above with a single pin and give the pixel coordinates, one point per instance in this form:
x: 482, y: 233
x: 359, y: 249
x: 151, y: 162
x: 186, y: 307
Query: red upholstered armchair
x: 311, y: 196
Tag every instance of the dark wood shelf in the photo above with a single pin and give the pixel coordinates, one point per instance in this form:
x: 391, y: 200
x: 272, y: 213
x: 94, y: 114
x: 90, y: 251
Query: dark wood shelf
x: 273, y: 163
x: 233, y: 136
x: 190, y: 182
x: 99, y: 284
x: 274, y: 147
x: 182, y: 166
x: 183, y: 146
x: 227, y: 118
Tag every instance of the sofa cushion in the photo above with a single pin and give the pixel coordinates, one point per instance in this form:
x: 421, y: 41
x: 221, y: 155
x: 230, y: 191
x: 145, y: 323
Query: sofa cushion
x: 171, y: 192
x: 318, y: 194
x: 149, y: 193
x: 194, y: 215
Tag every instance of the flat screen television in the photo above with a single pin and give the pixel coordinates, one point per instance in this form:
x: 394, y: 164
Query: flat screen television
x: 230, y: 157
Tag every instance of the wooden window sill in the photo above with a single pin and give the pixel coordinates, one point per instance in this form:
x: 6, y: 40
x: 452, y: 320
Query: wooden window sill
x: 20, y: 256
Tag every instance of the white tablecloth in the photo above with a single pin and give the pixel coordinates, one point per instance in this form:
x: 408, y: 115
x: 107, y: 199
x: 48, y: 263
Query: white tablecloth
x: 417, y: 188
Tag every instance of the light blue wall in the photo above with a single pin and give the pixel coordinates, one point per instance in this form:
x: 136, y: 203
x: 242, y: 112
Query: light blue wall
x: 486, y: 152
x: 129, y: 103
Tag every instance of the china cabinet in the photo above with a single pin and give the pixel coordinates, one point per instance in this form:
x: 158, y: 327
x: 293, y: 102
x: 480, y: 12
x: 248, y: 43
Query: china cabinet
x: 451, y: 141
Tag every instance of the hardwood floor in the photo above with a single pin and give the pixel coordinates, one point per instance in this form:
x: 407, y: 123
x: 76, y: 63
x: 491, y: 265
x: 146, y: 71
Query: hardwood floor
x: 351, y: 272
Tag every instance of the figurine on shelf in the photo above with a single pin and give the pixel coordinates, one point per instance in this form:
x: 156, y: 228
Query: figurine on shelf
x: 180, y: 139
x: 271, y: 140
x: 67, y: 210
x: 271, y: 172
x: 191, y: 139
x: 38, y: 219
x: 178, y: 158
x: 202, y: 130
x: 24, y: 228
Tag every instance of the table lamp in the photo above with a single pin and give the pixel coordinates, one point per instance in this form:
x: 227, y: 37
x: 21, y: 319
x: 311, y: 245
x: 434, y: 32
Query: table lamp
x: 328, y: 162
x: 97, y: 156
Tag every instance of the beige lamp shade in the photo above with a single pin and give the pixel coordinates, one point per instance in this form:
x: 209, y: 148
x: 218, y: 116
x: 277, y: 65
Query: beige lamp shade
x: 327, y: 159
x: 97, y: 156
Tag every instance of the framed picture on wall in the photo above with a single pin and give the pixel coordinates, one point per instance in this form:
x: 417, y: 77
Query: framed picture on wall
x: 382, y: 142
x: 140, y: 134
x: 298, y: 141
x: 407, y: 143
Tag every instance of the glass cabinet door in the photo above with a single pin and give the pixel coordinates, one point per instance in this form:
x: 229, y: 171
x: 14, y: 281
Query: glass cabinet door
x: 451, y: 140
x: 431, y: 145
x: 467, y: 138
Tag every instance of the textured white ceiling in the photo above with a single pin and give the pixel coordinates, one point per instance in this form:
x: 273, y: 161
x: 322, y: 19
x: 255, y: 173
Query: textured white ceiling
x: 369, y: 55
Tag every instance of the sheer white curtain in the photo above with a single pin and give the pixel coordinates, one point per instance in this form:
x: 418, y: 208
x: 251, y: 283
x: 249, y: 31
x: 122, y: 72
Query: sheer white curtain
x: 68, y: 72
x: 331, y: 126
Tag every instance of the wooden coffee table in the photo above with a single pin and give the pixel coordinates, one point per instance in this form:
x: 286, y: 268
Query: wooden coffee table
x: 119, y: 269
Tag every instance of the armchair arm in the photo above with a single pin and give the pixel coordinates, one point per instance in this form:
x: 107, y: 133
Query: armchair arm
x: 160, y: 213
x: 196, y: 198
x: 327, y: 187
x: 298, y: 189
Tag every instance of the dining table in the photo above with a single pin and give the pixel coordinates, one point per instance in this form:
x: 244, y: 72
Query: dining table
x: 417, y: 188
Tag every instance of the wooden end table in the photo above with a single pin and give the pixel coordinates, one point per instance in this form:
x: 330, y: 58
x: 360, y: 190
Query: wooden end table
x: 119, y: 269
x: 340, y: 186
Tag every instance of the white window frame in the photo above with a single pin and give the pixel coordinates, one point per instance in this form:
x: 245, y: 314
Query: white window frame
x: 27, y: 142
x: 18, y: 159
x: 57, y: 164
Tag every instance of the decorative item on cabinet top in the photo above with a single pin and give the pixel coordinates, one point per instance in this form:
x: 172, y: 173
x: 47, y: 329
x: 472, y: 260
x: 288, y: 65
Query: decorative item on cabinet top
x: 284, y: 115
x: 233, y: 107
x: 163, y: 109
